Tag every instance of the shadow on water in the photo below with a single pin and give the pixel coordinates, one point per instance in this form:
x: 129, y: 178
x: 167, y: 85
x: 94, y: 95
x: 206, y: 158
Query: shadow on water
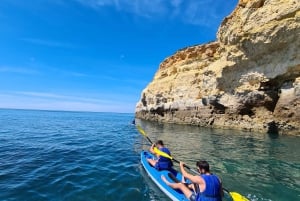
x: 259, y: 166
x: 273, y: 135
x: 273, y: 130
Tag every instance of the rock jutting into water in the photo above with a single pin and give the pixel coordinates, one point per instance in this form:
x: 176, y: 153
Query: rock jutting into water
x: 248, y: 79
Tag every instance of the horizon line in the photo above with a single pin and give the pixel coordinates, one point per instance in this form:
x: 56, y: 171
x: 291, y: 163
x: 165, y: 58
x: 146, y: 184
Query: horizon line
x: 57, y: 110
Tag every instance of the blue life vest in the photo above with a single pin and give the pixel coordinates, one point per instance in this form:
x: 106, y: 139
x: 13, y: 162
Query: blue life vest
x: 164, y: 163
x: 212, y: 191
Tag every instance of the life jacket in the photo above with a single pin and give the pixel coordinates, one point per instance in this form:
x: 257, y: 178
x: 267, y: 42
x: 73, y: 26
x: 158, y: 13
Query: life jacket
x: 212, y: 191
x: 164, y: 163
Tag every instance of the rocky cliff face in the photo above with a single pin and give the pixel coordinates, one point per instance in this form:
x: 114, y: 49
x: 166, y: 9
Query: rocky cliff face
x: 248, y: 79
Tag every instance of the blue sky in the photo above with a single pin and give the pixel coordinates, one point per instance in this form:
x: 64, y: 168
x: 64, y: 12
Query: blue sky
x: 94, y: 55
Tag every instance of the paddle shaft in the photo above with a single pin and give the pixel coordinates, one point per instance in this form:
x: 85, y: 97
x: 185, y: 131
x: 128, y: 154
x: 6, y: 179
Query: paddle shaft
x: 187, y: 167
x: 149, y: 140
x: 144, y: 134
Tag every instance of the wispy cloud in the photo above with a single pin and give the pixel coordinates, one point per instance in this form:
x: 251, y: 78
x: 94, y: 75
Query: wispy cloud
x: 18, y: 70
x: 60, y: 97
x: 52, y: 101
x: 49, y: 43
x: 197, y: 12
x: 145, y: 8
x: 76, y: 74
x: 70, y: 73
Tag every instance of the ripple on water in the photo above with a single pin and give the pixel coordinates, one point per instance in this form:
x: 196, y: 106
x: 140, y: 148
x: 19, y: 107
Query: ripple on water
x: 95, y: 156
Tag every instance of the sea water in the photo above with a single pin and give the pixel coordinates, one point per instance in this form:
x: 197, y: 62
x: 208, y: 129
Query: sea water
x: 52, y: 155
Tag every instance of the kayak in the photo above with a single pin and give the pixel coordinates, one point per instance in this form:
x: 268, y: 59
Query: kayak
x: 155, y: 175
x: 172, y: 176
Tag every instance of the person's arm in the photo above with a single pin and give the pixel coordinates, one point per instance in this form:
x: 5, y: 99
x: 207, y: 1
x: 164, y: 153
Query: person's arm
x: 193, y: 178
x: 152, y: 149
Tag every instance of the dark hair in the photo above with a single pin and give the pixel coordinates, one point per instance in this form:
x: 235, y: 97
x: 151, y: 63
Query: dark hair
x: 203, y: 165
x: 160, y: 142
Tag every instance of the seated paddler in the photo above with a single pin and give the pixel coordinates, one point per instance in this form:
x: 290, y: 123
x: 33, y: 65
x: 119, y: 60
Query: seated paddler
x: 161, y: 163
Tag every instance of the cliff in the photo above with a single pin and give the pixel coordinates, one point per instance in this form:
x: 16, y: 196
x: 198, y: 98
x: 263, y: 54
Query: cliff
x: 248, y: 79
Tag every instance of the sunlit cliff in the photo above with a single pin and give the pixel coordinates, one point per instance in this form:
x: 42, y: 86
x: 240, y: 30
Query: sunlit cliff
x: 248, y: 79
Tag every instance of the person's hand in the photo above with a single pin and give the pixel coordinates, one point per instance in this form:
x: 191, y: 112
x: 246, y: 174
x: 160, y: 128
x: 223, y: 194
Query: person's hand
x: 181, y: 164
x: 153, y: 145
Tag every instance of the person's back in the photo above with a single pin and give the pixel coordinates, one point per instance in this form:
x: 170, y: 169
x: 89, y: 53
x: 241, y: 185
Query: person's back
x: 205, y: 187
x: 162, y: 163
x: 212, y: 188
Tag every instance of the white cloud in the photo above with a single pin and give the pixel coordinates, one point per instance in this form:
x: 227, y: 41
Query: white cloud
x: 196, y: 12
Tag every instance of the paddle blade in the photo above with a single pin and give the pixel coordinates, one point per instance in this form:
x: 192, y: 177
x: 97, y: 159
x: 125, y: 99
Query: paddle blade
x: 141, y: 130
x: 161, y: 153
x: 237, y: 197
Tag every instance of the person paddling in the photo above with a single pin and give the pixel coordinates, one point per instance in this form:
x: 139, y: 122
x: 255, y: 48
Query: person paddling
x: 210, y: 186
x: 161, y: 163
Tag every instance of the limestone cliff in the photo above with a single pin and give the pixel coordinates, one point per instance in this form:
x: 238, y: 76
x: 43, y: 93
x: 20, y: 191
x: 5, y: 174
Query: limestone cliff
x: 248, y: 79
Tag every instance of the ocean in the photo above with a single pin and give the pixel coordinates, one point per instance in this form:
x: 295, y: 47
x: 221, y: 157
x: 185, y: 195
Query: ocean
x: 54, y: 155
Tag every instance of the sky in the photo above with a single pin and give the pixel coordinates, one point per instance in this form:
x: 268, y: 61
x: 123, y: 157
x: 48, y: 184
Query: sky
x: 95, y: 55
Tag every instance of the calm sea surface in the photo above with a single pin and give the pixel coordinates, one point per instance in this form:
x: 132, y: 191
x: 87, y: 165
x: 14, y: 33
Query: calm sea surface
x: 46, y: 155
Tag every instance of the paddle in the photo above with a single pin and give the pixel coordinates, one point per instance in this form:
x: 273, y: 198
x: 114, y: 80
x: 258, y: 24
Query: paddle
x: 235, y: 196
x: 161, y: 153
x: 143, y: 133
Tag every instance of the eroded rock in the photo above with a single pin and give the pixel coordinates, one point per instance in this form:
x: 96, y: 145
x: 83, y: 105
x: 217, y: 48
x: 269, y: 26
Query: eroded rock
x: 248, y: 79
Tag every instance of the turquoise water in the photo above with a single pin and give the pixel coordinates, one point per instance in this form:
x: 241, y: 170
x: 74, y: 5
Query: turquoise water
x: 48, y: 155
